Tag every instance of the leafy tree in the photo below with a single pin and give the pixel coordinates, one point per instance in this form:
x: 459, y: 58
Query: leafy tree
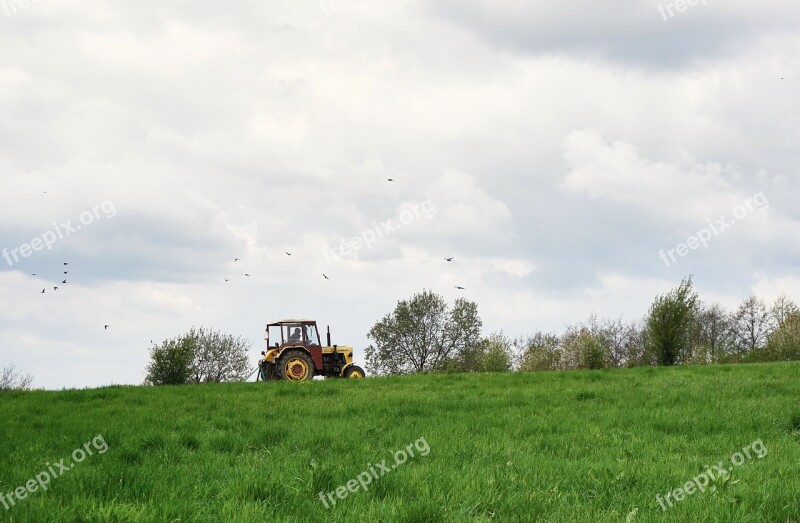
x: 218, y: 357
x: 782, y: 309
x: 171, y: 362
x: 495, y: 354
x: 423, y: 334
x: 784, y: 343
x: 199, y: 356
x: 752, y: 325
x: 11, y: 379
x: 714, y: 335
x: 670, y: 322
x: 542, y: 351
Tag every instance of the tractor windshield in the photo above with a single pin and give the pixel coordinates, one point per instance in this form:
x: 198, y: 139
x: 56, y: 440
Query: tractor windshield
x: 311, y: 335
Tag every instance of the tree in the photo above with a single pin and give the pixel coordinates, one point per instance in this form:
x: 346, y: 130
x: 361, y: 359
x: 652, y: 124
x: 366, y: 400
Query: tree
x: 494, y: 354
x: 714, y: 337
x: 752, y: 325
x: 784, y: 343
x: 170, y: 363
x: 199, y: 356
x: 218, y: 357
x: 13, y: 380
x: 542, y: 351
x: 670, y: 322
x: 422, y: 335
x: 782, y: 309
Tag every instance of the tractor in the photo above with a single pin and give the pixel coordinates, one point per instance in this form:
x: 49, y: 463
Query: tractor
x: 298, y: 355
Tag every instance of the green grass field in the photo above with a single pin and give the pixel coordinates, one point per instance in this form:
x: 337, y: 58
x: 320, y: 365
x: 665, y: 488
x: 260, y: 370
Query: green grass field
x: 571, y: 446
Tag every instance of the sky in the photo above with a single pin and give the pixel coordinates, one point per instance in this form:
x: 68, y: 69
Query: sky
x: 572, y: 157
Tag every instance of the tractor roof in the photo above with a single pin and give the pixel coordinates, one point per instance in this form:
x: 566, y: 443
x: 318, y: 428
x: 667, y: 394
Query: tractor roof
x: 282, y: 322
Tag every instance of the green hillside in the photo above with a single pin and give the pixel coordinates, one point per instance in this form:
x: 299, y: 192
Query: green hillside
x: 571, y: 446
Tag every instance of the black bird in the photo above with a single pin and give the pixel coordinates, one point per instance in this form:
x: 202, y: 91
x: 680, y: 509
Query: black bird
x: 326, y: 277
x: 247, y: 275
x: 390, y: 179
x: 65, y: 272
x: 105, y: 328
x: 65, y: 281
x: 459, y: 288
x: 65, y: 263
x: 449, y: 259
x: 55, y: 288
x: 288, y: 253
x: 34, y: 274
x: 42, y: 291
x: 236, y: 259
x: 226, y: 279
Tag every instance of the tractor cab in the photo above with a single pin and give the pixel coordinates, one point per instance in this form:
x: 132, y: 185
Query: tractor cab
x: 292, y: 332
x: 295, y: 352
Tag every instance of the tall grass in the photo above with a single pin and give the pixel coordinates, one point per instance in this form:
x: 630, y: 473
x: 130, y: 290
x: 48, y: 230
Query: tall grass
x: 572, y: 446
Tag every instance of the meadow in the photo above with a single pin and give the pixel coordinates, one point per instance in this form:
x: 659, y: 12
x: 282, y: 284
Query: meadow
x: 567, y: 446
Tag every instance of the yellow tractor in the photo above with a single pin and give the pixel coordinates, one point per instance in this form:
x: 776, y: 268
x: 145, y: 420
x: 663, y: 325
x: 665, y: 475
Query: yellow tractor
x: 298, y: 355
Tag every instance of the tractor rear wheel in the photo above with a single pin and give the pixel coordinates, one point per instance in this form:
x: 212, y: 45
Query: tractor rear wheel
x: 295, y: 365
x: 354, y: 371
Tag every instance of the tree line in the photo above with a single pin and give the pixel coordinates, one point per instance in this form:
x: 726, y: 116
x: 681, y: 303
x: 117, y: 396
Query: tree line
x: 423, y: 334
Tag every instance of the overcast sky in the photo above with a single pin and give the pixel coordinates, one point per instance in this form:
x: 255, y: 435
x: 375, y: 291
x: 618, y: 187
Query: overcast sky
x: 554, y: 151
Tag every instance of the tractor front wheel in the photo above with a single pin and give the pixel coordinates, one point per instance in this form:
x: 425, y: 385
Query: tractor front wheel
x: 295, y: 365
x: 354, y: 371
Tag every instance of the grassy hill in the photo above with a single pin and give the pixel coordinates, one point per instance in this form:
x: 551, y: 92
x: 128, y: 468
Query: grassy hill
x: 572, y: 446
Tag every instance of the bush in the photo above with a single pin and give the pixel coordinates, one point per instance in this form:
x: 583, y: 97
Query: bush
x: 199, y: 356
x: 13, y: 380
x: 170, y: 363
x: 670, y: 323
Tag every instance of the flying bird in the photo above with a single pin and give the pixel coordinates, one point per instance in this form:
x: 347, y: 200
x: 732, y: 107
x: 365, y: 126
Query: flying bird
x: 66, y: 272
x: 449, y: 259
x: 55, y: 288
x: 105, y: 327
x: 226, y: 279
x: 326, y: 276
x: 34, y: 274
x: 459, y: 288
x: 42, y: 291
x: 288, y: 253
x: 236, y: 259
x: 65, y: 263
x: 391, y: 179
x: 65, y: 281
x: 247, y: 275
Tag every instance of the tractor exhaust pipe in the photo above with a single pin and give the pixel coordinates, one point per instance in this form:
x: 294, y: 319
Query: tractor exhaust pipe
x: 329, y: 335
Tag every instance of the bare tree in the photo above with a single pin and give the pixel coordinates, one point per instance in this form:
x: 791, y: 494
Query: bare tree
x: 11, y: 379
x: 752, y: 325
